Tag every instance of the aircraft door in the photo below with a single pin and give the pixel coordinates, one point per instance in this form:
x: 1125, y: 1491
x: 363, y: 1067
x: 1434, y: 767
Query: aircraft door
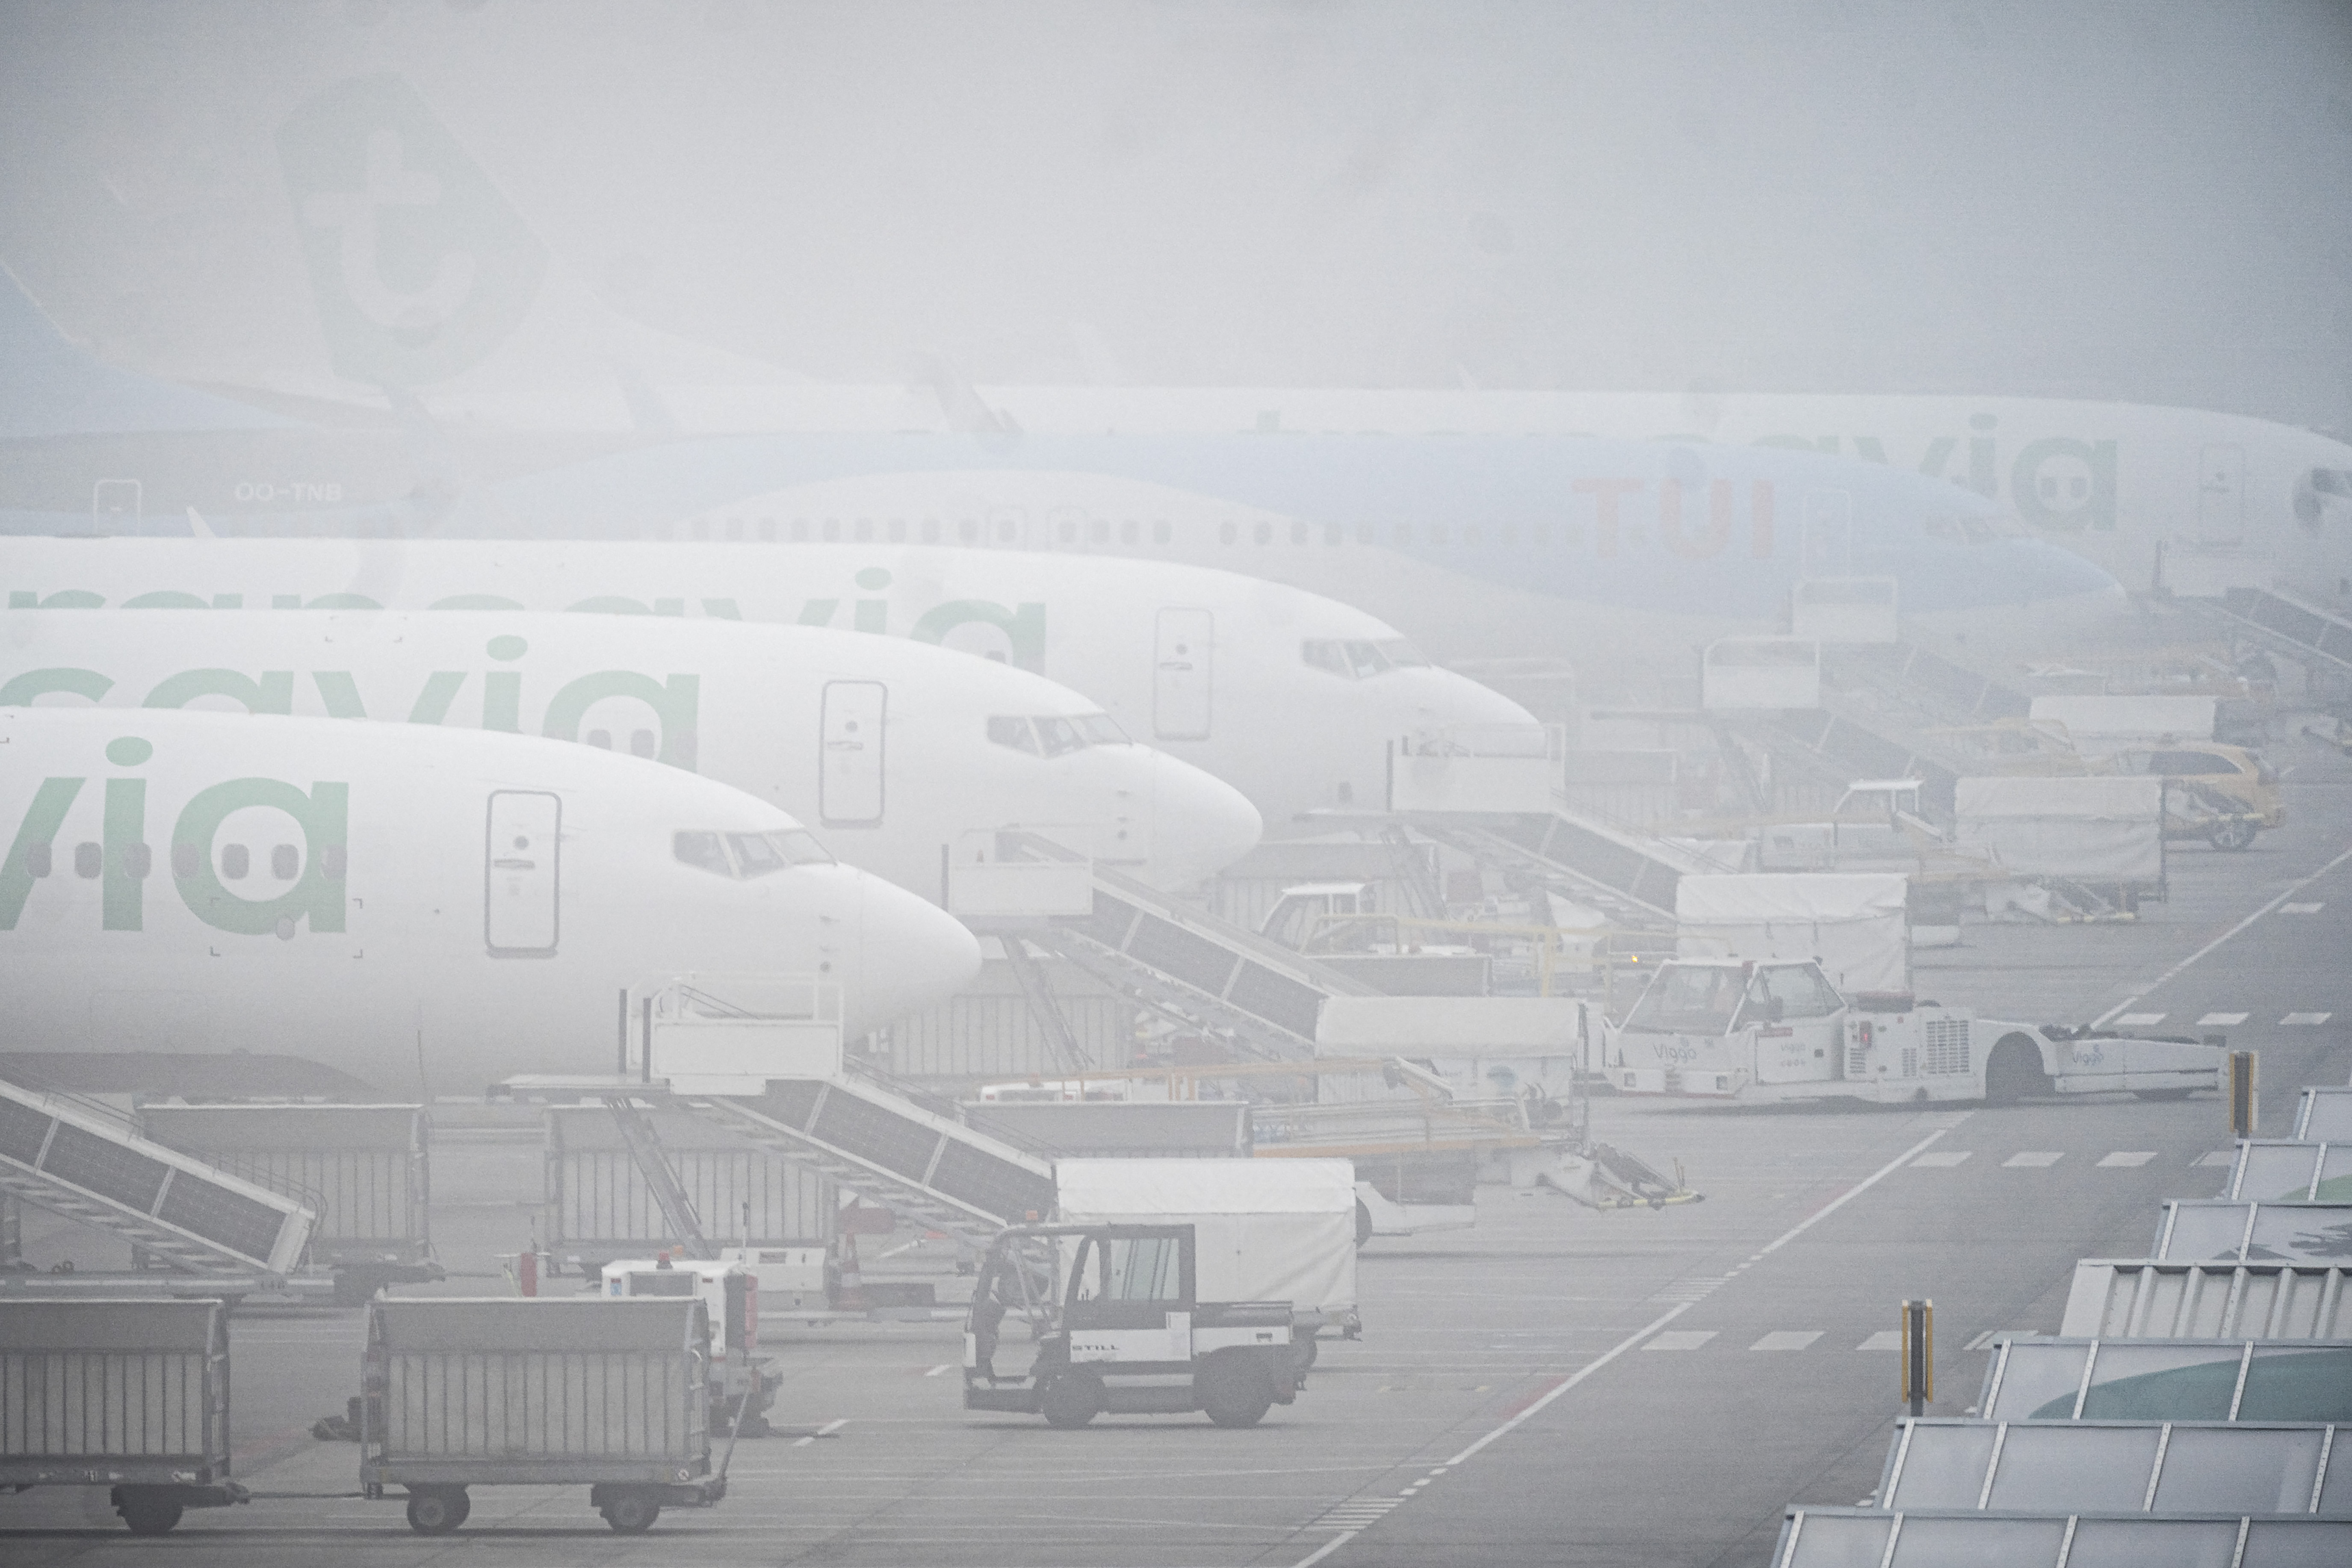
x: 2221, y: 494
x: 1828, y: 534
x: 849, y: 777
x: 522, y: 874
x: 1183, y: 675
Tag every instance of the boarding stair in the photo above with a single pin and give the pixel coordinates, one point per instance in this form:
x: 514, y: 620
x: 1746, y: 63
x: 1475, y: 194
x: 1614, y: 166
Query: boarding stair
x: 661, y: 1184
x: 1188, y: 965
x: 78, y: 1159
x: 1628, y: 876
x: 2282, y: 623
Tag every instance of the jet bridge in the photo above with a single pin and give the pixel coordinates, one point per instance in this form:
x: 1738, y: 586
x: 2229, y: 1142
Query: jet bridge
x: 77, y: 1159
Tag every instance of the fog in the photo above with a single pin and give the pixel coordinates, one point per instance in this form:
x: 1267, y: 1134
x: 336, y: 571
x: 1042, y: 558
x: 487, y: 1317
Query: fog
x: 2142, y: 202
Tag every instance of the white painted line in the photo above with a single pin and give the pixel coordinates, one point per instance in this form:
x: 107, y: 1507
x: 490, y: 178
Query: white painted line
x: 2138, y: 1020
x: 1660, y: 1321
x: 2301, y: 909
x: 902, y: 1247
x: 1680, y: 1340
x: 1884, y: 1340
x: 1983, y: 1341
x: 2224, y: 1020
x: 2217, y: 1157
x: 2124, y: 1159
x: 1787, y: 1340
x: 1326, y: 1550
x: 2183, y: 965
x: 1941, y: 1159
x: 943, y: 1366
x: 830, y: 1427
x: 2032, y: 1159
x: 2304, y: 1020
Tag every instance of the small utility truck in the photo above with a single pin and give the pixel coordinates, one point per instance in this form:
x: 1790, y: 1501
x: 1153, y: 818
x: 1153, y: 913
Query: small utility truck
x: 1071, y: 1320
x: 1728, y: 1029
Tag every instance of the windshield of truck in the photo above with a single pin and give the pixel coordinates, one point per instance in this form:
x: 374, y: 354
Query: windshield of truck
x: 1689, y: 1000
x: 1792, y: 990
x: 1144, y: 1269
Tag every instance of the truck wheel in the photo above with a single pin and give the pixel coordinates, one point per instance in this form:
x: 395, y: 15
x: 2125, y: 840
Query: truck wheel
x: 1235, y: 1390
x: 1071, y: 1400
x: 632, y: 1511
x: 2234, y: 834
x: 1305, y: 1350
x: 148, y: 1511
x: 1364, y: 1223
x: 438, y: 1510
x: 2013, y: 1071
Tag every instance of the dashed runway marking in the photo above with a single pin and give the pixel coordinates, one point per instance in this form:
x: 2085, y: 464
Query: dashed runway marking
x: 2224, y: 1020
x: 1884, y: 1340
x: 2138, y: 1020
x: 2301, y: 909
x: 1787, y: 1340
x: 1680, y: 1340
x: 1940, y: 1159
x: 2032, y: 1159
x: 2124, y: 1159
x: 2304, y: 1020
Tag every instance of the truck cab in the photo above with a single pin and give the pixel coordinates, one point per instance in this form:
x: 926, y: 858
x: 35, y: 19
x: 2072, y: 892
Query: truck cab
x: 1714, y: 1026
x: 1112, y: 1324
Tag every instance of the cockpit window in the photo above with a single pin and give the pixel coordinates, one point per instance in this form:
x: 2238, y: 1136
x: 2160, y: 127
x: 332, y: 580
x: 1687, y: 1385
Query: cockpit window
x: 2331, y: 482
x: 1052, y: 734
x: 1362, y: 660
x: 747, y: 855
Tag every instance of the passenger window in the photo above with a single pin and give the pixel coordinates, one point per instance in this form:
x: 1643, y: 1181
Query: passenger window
x: 754, y: 854
x: 1101, y: 531
x: 1128, y: 531
x: 1161, y: 533
x: 898, y: 531
x: 1225, y: 534
x: 702, y: 850
x: 138, y: 859
x: 1297, y: 534
x: 931, y: 531
x: 335, y: 861
x: 186, y: 860
x: 968, y: 531
x: 1013, y: 733
x: 601, y: 739
x: 768, y: 530
x: 799, y: 530
x: 86, y: 860
x: 37, y: 860
x: 1263, y: 534
x: 865, y: 531
x: 236, y: 861
x: 1059, y: 735
x: 285, y: 862
x: 641, y: 742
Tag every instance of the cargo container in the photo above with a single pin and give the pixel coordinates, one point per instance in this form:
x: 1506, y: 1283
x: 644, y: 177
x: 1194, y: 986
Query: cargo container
x: 600, y: 1208
x: 364, y: 1170
x: 458, y: 1393
x: 132, y: 1395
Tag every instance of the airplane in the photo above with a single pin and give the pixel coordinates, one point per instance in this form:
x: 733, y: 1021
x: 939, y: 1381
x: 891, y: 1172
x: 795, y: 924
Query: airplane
x: 1289, y: 697
x: 428, y: 909
x: 896, y: 754
x: 2189, y: 499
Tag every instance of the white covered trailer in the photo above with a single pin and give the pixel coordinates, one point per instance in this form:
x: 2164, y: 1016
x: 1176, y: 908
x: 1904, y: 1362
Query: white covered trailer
x: 2104, y: 831
x: 1853, y: 925
x: 2100, y: 725
x: 1750, y: 1031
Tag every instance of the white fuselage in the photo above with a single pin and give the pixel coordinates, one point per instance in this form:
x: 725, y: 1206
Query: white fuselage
x: 1210, y: 667
x: 896, y: 754
x: 425, y: 910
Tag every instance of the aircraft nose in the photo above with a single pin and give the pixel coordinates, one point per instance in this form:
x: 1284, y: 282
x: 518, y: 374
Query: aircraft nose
x: 1202, y: 823
x: 909, y: 954
x: 1444, y: 699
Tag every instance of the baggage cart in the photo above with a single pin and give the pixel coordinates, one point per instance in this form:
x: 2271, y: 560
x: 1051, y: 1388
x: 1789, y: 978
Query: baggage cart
x: 132, y: 1395
x: 613, y: 1394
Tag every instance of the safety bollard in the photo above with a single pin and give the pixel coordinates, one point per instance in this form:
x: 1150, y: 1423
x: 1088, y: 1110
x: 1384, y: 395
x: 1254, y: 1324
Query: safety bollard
x: 1919, y: 1355
x: 2244, y: 1093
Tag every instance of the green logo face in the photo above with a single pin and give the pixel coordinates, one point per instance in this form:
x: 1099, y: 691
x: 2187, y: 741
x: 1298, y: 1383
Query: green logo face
x: 418, y: 265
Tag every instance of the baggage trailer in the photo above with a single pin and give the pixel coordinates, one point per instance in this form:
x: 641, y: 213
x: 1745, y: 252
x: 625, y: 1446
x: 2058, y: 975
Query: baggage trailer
x: 128, y: 1395
x: 613, y: 1394
x: 1740, y: 1030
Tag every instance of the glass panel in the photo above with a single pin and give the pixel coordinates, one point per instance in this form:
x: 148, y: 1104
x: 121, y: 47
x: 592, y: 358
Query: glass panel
x: 1325, y: 655
x: 1102, y: 730
x: 701, y: 849
x: 1401, y: 654
x: 1841, y: 1541
x: 2038, y: 1382
x: 2162, y: 1382
x: 1013, y: 733
x: 2298, y: 1385
x: 1979, y: 1543
x: 2205, y: 1231
x: 2335, y: 1492
x: 1944, y: 1466
x: 2075, y: 1469
x: 1364, y: 660
x: 2276, y: 1171
x: 800, y: 846
x: 1059, y: 735
x: 2311, y: 1231
x: 2331, y: 1118
x: 1146, y: 1269
x: 755, y: 854
x: 2336, y: 1175
x: 1688, y: 999
x: 2144, y: 1543
x: 2238, y: 1472
x: 2276, y: 1543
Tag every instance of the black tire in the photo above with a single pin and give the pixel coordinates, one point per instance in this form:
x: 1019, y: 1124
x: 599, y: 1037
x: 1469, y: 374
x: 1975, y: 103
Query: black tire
x: 438, y: 1510
x: 2234, y: 834
x: 1071, y: 1400
x: 632, y: 1512
x: 1235, y: 1390
x: 1364, y: 1223
x: 1305, y: 1350
x: 2013, y: 1071
x: 148, y: 1513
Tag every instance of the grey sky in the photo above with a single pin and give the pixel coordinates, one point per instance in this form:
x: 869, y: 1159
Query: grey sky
x: 2146, y: 200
